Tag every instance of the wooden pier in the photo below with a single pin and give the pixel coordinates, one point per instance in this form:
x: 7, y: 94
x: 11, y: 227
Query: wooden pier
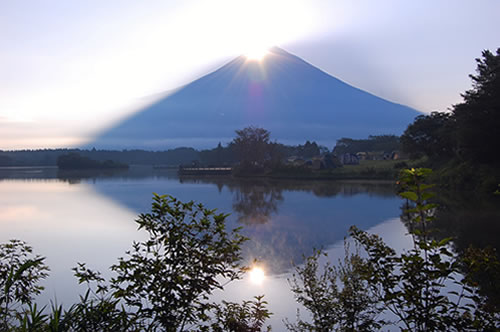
x: 205, y: 170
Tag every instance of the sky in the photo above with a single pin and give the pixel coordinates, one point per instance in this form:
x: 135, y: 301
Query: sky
x: 70, y: 69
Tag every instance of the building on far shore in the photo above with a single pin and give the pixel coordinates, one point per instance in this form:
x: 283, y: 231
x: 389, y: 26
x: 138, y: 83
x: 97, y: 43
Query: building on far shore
x: 349, y: 159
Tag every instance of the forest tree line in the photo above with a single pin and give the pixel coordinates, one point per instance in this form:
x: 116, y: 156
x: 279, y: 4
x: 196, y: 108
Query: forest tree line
x: 462, y: 144
x: 220, y: 155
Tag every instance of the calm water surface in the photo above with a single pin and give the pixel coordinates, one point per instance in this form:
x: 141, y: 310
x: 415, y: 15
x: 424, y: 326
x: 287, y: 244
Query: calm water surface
x: 89, y: 217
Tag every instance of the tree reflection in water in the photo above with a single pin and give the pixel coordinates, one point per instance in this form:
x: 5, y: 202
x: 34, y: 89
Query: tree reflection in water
x: 255, y: 203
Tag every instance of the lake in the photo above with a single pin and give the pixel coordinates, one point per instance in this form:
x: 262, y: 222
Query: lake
x: 71, y: 217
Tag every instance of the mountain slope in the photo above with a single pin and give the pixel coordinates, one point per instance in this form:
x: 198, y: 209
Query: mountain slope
x: 282, y: 93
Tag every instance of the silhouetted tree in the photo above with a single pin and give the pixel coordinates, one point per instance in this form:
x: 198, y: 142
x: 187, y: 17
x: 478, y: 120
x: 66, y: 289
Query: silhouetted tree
x: 76, y: 161
x: 308, y: 150
x: 252, y: 145
x: 381, y: 143
x: 218, y: 156
x: 478, y: 116
x: 470, y: 132
x: 430, y: 135
x: 5, y: 161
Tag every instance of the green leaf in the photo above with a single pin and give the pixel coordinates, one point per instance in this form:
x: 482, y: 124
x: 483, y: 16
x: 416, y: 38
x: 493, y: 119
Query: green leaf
x: 409, y: 195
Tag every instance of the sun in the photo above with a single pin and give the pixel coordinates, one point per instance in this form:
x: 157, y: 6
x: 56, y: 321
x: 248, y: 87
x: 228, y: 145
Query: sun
x: 257, y: 53
x: 257, y: 275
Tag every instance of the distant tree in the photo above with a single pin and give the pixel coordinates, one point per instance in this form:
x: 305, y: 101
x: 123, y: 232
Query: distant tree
x: 252, y: 145
x: 76, y: 161
x: 380, y: 143
x: 277, y: 153
x: 323, y: 149
x: 218, y: 156
x: 308, y: 150
x: 5, y: 160
x: 430, y: 135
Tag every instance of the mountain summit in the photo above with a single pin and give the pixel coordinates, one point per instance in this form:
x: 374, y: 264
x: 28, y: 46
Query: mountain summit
x: 282, y: 93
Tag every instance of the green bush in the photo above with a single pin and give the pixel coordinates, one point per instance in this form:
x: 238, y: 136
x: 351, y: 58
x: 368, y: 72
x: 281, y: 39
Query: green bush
x: 411, y: 285
x: 20, y: 273
x: 163, y: 283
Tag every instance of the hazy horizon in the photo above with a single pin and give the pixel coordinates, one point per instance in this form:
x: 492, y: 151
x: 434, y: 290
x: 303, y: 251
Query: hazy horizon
x: 70, y: 70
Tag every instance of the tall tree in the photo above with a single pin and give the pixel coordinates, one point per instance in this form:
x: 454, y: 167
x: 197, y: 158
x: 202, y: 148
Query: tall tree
x: 470, y: 132
x: 478, y: 116
x: 252, y: 145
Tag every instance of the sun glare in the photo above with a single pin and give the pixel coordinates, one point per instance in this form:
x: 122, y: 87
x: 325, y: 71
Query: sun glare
x: 257, y: 275
x: 257, y: 54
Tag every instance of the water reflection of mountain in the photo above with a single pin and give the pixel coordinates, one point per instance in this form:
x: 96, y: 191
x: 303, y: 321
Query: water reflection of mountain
x: 284, y: 219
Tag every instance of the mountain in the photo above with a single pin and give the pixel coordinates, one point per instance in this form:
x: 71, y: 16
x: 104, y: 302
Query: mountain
x: 282, y: 93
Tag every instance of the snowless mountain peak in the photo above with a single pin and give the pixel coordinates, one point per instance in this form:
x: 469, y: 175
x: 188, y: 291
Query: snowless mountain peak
x: 282, y: 93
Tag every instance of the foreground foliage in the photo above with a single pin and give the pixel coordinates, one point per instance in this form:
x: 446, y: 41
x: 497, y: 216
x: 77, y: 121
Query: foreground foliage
x: 426, y: 288
x: 337, y: 298
x: 250, y: 316
x: 163, y: 284
x: 20, y: 273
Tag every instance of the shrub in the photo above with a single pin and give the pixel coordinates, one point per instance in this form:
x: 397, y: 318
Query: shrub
x: 412, y: 285
x: 20, y: 273
x: 163, y: 284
